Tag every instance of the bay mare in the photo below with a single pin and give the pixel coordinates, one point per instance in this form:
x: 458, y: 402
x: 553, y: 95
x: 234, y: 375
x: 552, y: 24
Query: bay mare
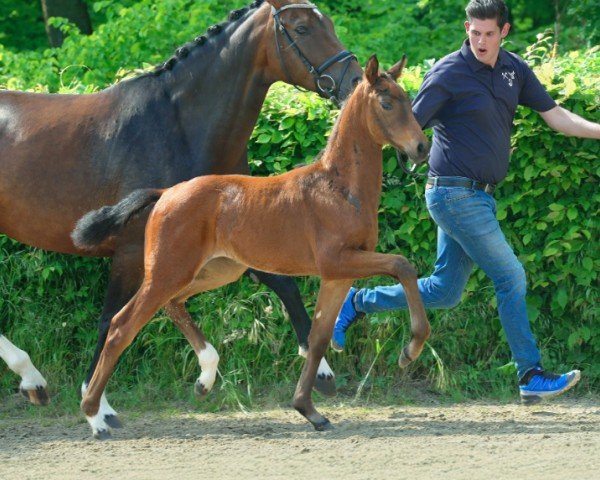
x: 63, y: 155
x: 320, y: 219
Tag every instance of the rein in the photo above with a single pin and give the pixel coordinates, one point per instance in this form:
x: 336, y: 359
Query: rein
x: 325, y: 83
x: 412, y: 171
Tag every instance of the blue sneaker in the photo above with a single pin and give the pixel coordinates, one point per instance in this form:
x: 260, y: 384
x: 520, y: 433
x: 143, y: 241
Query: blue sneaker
x: 347, y: 316
x: 537, y: 385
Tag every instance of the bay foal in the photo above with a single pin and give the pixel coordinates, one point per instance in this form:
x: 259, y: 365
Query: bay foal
x: 317, y: 220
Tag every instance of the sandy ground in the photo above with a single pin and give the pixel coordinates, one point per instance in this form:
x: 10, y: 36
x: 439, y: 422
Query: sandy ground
x: 559, y: 440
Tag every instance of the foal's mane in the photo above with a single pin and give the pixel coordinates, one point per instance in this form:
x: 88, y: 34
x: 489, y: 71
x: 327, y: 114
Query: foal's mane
x: 183, y: 51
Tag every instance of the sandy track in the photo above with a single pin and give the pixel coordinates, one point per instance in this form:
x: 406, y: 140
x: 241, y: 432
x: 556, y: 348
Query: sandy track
x: 462, y: 441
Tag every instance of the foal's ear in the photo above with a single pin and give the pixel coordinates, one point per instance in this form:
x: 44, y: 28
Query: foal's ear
x: 396, y: 70
x: 372, y: 70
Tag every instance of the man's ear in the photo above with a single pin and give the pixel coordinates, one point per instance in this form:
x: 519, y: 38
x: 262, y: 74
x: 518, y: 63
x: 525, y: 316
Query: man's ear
x: 396, y: 70
x: 505, y: 29
x: 372, y: 70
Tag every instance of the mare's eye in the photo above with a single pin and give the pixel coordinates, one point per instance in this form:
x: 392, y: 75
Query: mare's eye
x: 301, y: 30
x: 386, y: 105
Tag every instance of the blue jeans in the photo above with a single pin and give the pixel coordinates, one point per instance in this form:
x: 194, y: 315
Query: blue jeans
x: 468, y: 234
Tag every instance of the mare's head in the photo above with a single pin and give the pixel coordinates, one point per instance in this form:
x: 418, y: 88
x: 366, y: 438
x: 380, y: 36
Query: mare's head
x: 303, y: 49
x: 389, y: 114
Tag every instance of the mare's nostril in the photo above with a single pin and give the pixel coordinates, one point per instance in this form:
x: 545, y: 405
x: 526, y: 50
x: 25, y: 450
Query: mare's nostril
x: 355, y: 81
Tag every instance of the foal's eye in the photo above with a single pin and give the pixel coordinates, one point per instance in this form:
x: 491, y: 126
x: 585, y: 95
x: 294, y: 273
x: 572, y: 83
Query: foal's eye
x: 386, y: 105
x: 301, y: 30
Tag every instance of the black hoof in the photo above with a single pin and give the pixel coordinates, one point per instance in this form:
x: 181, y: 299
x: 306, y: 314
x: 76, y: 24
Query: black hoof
x: 323, y: 425
x: 102, y: 435
x: 39, y: 396
x: 113, y: 421
x: 200, y: 390
x: 325, y: 385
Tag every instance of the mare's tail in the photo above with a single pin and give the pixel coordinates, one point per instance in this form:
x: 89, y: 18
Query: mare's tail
x: 96, y: 226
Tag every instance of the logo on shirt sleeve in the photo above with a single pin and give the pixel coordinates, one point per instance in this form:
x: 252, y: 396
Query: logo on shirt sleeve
x: 509, y: 77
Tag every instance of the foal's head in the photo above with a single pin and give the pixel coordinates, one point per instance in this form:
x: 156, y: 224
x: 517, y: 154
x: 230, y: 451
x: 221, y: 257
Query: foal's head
x: 389, y: 115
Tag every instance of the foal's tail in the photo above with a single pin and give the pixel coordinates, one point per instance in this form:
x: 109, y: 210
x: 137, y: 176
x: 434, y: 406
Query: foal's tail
x: 96, y: 226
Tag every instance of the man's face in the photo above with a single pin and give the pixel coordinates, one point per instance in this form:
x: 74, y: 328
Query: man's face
x: 485, y: 38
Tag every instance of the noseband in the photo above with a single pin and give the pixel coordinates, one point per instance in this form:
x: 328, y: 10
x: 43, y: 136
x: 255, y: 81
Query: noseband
x: 325, y: 83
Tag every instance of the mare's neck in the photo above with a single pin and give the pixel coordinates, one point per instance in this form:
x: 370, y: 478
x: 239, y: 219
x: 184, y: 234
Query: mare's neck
x: 219, y: 89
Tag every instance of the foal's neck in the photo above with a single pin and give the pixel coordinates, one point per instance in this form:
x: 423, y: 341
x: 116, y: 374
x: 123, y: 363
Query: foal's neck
x: 353, y: 157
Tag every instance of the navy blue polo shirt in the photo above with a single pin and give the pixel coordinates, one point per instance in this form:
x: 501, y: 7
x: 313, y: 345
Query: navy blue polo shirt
x: 471, y: 107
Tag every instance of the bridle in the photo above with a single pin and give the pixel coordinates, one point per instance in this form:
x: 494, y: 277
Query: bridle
x: 325, y: 83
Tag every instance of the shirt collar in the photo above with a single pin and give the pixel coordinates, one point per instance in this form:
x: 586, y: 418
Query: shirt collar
x: 476, y: 65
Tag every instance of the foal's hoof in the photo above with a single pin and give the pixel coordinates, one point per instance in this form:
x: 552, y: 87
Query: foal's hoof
x: 113, y: 421
x: 323, y: 425
x: 37, y: 396
x: 325, y: 385
x: 200, y: 390
x: 404, y: 360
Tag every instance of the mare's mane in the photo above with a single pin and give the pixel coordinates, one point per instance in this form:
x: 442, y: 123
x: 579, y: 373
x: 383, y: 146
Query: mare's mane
x: 183, y: 51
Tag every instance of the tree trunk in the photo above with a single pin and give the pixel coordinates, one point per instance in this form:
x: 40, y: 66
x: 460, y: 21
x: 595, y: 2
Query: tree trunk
x: 75, y: 11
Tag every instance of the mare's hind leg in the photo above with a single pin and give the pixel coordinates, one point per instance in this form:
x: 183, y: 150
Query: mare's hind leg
x: 33, y: 385
x: 208, y: 358
x: 286, y: 289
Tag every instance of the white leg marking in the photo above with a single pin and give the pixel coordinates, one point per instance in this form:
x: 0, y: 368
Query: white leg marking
x: 209, y: 361
x: 325, y: 369
x: 105, y: 408
x: 98, y: 424
x: 20, y: 363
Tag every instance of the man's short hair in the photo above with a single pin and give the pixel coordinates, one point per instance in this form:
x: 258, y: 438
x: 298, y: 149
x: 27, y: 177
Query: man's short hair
x: 486, y: 9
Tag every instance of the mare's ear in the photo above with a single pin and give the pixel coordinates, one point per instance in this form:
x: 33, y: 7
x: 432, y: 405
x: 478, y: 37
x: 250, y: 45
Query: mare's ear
x: 277, y: 4
x: 372, y: 70
x: 396, y: 70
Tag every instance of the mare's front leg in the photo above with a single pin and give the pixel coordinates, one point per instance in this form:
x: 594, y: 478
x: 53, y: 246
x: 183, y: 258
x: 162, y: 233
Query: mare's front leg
x: 329, y: 301
x: 208, y: 358
x: 286, y: 289
x: 33, y: 385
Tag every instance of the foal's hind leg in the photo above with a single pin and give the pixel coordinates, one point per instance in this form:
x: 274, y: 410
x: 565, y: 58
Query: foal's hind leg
x: 33, y: 385
x: 286, y: 289
x: 207, y: 355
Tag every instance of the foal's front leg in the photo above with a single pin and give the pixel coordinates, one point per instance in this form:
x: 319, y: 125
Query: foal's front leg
x: 286, y: 289
x: 331, y: 296
x: 363, y: 264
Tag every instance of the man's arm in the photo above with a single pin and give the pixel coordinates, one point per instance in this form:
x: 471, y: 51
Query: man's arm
x: 570, y: 124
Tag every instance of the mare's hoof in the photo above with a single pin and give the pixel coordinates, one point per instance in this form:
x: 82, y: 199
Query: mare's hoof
x: 325, y: 385
x: 323, y: 425
x: 404, y: 360
x: 113, y: 421
x: 37, y: 396
x: 102, y: 435
x: 200, y: 390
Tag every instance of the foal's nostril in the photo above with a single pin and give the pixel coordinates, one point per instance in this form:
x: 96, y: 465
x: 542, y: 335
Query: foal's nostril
x: 421, y: 148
